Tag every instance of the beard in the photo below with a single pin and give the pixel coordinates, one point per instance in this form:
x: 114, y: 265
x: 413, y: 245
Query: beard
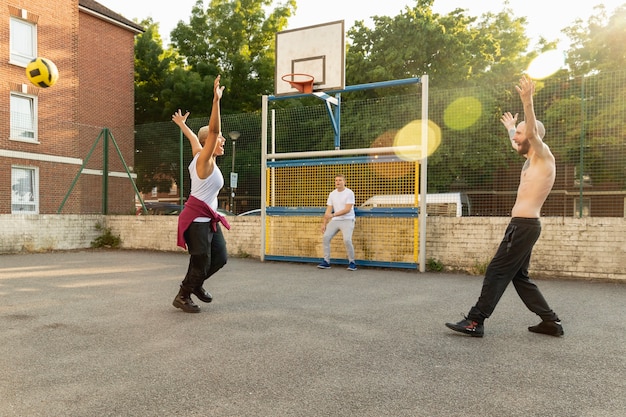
x: 523, y: 148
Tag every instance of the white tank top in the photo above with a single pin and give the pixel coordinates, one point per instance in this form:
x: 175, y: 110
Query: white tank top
x: 206, y: 189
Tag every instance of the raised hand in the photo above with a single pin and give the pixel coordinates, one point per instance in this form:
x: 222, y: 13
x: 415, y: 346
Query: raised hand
x: 508, y: 120
x: 217, y: 89
x: 526, y: 89
x: 179, y: 118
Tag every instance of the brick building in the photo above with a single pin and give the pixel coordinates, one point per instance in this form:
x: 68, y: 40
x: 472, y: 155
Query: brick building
x: 48, y: 134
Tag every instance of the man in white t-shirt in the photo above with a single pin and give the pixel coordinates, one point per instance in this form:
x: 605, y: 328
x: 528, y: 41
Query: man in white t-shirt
x: 339, y: 216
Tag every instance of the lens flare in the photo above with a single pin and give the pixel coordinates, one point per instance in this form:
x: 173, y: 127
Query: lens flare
x: 389, y: 169
x: 408, y: 140
x: 546, y: 64
x: 462, y: 113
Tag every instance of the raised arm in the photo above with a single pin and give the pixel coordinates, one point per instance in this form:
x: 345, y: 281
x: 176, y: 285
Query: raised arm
x: 534, y: 131
x: 181, y: 120
x: 215, y: 122
x: 509, y: 121
x: 206, y: 162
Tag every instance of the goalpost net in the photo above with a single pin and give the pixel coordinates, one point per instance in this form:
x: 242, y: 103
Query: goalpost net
x: 309, y: 138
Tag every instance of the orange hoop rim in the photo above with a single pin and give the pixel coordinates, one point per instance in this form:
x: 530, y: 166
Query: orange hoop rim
x: 305, y: 86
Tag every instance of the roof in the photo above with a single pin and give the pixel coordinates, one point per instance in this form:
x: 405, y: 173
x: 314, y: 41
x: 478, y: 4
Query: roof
x: 408, y: 200
x: 96, y: 9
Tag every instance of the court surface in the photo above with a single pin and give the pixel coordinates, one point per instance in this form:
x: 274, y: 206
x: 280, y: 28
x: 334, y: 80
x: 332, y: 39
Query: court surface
x: 93, y: 333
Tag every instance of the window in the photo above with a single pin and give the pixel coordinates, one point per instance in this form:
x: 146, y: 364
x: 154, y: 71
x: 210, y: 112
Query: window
x: 23, y: 117
x: 23, y: 41
x: 586, y: 207
x: 24, y: 190
x: 585, y: 177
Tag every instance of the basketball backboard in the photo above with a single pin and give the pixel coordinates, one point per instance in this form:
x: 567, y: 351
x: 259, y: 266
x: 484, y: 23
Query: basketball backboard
x: 317, y: 50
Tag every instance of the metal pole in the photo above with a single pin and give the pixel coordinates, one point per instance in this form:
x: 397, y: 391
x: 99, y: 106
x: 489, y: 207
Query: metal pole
x: 264, y: 114
x: 80, y: 171
x: 423, y: 176
x: 105, y: 173
x: 232, y: 190
x: 234, y: 135
x: 581, y: 161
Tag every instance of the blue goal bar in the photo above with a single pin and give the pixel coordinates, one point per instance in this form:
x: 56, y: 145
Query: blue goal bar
x: 358, y: 211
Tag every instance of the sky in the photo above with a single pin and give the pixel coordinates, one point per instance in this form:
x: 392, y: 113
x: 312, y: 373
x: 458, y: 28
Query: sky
x: 545, y: 17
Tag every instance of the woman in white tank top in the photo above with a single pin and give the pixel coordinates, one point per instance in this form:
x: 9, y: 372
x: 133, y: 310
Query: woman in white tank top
x: 198, y: 224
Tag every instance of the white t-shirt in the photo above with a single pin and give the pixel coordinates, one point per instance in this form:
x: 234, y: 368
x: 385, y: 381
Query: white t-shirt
x: 339, y: 200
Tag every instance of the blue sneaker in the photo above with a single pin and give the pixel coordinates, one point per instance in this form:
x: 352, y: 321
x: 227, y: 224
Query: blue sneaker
x: 351, y: 266
x: 324, y: 265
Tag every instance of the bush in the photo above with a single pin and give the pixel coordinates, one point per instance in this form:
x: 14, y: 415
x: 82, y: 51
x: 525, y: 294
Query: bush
x: 434, y: 265
x: 107, y: 239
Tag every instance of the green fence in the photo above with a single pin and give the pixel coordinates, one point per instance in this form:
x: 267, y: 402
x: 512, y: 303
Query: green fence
x: 585, y: 128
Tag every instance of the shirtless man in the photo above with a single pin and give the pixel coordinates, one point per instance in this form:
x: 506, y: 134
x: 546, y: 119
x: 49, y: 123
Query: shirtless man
x: 512, y: 258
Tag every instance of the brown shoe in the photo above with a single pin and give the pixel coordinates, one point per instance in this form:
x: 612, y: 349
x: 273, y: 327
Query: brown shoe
x: 184, y: 301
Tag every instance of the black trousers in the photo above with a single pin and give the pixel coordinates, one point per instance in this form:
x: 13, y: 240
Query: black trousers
x: 510, y: 263
x: 207, y: 250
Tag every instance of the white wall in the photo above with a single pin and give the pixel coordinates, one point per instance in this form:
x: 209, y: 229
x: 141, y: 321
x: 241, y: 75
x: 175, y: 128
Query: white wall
x: 589, y: 248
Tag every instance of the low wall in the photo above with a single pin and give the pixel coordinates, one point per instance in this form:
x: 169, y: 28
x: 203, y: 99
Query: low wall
x: 588, y: 248
x: 46, y: 232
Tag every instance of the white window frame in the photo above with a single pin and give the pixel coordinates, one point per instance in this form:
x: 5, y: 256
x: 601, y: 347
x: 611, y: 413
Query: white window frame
x: 24, y: 180
x: 20, y: 129
x: 23, y: 41
x: 586, y: 207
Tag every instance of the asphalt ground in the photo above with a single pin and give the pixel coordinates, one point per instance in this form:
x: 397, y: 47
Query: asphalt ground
x: 93, y: 333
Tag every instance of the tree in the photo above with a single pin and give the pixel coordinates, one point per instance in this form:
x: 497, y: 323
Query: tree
x: 452, y: 49
x: 153, y: 67
x: 234, y: 39
x: 457, y: 51
x: 596, y: 87
x: 601, y: 46
x: 231, y: 38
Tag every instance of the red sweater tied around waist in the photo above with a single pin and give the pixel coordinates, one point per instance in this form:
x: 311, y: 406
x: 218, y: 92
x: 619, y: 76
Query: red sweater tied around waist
x: 197, y: 208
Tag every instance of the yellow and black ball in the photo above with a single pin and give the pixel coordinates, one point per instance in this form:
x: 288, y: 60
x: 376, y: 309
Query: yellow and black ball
x: 42, y: 72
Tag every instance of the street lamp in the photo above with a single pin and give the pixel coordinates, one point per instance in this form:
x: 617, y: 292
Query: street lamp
x: 234, y: 135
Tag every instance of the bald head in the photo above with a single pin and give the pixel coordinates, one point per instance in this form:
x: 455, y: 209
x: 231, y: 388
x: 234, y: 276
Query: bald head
x: 541, y: 130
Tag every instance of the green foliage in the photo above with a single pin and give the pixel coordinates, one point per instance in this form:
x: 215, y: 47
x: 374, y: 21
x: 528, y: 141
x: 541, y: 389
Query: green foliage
x: 481, y: 57
x: 434, y: 265
x: 452, y: 49
x: 107, y: 239
x: 601, y: 45
x: 248, y: 151
x: 480, y: 267
x: 157, y: 156
x: 153, y: 69
x: 234, y: 39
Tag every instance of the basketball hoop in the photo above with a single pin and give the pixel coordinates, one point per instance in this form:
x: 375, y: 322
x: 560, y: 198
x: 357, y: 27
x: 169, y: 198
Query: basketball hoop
x: 301, y: 82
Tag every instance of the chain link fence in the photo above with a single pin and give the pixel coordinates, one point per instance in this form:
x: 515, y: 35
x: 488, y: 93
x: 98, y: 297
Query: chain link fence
x: 585, y: 129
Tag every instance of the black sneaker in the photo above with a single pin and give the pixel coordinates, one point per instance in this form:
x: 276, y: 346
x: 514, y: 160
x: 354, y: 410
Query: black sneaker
x: 472, y: 328
x: 552, y: 328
